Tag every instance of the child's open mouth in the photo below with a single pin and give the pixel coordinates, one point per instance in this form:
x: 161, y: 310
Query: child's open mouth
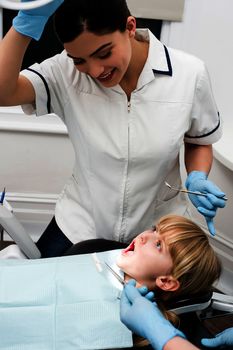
x: 129, y: 249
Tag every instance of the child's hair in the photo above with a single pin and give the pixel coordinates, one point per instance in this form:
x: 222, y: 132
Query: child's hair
x: 73, y: 17
x: 195, y: 264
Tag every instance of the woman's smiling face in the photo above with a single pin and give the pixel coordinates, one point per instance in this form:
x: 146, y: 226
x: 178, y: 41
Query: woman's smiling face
x: 103, y: 57
x: 146, y: 258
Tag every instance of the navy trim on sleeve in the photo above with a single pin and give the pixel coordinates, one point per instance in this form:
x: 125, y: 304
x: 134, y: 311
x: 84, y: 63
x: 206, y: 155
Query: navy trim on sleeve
x: 207, y: 134
x: 46, y: 88
x: 169, y: 65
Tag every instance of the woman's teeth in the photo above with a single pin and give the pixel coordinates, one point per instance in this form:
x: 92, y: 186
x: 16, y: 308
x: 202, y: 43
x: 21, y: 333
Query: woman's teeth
x: 105, y: 76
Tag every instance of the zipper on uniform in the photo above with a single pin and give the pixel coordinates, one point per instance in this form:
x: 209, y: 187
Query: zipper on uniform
x: 124, y: 210
x: 129, y: 106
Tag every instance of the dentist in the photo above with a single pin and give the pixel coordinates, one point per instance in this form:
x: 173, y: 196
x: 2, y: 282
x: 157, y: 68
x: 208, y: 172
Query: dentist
x: 129, y: 104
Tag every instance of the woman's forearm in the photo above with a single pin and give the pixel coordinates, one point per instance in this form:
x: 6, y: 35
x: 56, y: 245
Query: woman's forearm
x: 198, y: 157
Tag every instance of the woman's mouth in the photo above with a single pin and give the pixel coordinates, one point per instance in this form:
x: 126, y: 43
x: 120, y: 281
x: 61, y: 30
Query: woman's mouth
x: 129, y: 250
x: 106, y: 77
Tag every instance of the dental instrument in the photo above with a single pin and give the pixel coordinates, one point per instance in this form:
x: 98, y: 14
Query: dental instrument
x: 15, y: 5
x: 3, y: 195
x: 190, y: 192
x: 118, y: 277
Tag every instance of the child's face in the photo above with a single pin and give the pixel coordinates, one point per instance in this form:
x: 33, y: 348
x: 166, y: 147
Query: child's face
x: 146, y: 258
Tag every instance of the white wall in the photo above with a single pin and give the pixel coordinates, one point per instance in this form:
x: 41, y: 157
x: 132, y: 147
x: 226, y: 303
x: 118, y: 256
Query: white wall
x: 36, y: 158
x: 206, y: 31
x: 158, y: 9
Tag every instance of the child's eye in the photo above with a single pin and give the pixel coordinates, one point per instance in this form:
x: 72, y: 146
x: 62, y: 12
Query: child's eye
x: 158, y: 245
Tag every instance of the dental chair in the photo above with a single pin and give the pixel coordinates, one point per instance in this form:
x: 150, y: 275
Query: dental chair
x: 25, y: 248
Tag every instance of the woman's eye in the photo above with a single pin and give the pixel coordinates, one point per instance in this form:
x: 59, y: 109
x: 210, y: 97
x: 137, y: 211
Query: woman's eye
x: 153, y: 227
x: 105, y: 55
x: 78, y: 62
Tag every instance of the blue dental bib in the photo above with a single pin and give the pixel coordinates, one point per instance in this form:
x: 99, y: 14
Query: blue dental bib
x: 60, y: 304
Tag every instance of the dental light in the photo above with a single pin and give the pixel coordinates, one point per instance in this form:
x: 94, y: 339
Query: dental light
x: 16, y: 5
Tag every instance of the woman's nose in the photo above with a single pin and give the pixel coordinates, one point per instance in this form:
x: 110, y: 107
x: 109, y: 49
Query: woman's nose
x: 95, y: 70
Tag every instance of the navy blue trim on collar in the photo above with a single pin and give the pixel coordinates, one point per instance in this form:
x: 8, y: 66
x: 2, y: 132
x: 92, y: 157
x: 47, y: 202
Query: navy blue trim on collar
x: 169, y: 65
x: 46, y: 88
x: 207, y: 134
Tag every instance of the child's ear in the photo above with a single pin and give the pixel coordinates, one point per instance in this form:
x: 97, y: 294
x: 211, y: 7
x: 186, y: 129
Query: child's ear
x: 167, y: 283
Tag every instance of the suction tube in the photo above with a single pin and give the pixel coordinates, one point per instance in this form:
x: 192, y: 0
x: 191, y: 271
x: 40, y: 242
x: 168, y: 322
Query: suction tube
x: 14, y: 228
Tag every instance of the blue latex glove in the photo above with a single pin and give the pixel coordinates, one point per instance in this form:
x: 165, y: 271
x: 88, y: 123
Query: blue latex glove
x: 223, y: 338
x: 32, y: 22
x: 207, y: 206
x: 143, y: 291
x: 144, y: 318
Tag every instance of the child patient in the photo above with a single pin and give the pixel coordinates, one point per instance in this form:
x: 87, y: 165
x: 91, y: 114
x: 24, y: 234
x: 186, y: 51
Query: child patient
x: 174, y: 258
x: 65, y: 303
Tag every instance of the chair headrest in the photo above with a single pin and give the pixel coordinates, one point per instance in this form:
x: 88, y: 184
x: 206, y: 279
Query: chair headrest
x: 190, y: 303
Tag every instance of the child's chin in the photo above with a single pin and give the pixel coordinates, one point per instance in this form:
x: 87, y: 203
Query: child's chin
x: 118, y: 261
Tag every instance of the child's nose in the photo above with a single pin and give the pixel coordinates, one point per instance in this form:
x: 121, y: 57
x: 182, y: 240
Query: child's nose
x: 144, y: 237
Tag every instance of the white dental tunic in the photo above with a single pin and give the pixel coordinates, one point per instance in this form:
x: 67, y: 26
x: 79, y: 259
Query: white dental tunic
x: 124, y: 151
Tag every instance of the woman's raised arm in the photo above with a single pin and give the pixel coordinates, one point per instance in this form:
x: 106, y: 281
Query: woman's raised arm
x: 14, y: 90
x: 28, y: 24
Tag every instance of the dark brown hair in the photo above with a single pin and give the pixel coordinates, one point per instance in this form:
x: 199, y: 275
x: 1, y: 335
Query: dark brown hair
x: 73, y: 17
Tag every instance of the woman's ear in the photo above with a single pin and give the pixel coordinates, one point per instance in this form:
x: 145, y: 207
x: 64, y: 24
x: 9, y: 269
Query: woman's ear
x: 131, y: 26
x: 167, y: 283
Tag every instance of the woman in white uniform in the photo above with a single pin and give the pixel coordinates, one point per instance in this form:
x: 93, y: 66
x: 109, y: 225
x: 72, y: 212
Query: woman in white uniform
x: 129, y: 103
